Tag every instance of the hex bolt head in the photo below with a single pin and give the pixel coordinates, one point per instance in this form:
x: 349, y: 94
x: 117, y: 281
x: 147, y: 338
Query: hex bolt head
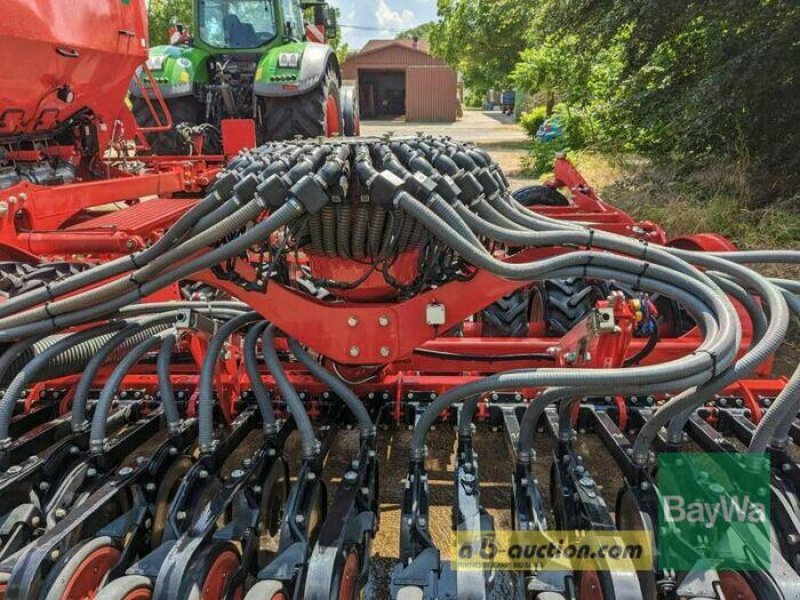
x: 60, y: 513
x: 150, y: 487
x: 385, y: 351
x: 383, y: 321
x: 237, y: 474
x: 203, y: 474
x: 91, y: 472
x: 125, y: 471
x: 352, y: 321
x: 350, y: 477
x: 54, y: 555
x: 181, y: 515
x: 355, y: 351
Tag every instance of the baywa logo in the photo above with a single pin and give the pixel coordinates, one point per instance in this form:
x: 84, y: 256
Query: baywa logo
x: 708, y: 514
x: 714, y: 509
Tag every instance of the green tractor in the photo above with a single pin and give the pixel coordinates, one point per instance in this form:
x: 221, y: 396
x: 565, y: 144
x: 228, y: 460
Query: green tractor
x: 248, y: 59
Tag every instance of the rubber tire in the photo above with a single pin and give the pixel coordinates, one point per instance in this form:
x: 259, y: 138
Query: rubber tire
x: 266, y: 590
x: 564, y: 303
x: 121, y: 588
x: 509, y: 316
x: 17, y: 278
x: 304, y: 116
x: 62, y: 571
x: 351, y: 116
x: 540, y: 195
x: 184, y: 109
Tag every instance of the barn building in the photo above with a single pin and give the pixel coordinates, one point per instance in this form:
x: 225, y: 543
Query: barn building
x: 400, y: 79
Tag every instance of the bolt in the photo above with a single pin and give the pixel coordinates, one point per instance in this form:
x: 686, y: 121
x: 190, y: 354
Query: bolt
x: 12, y: 200
x: 257, y: 489
x: 383, y: 321
x: 54, y: 555
x: 60, y: 513
x: 130, y: 244
x: 35, y: 521
x: 14, y: 469
x: 570, y: 358
x: 181, y: 515
x: 299, y: 519
x: 355, y: 351
x: 125, y: 471
x: 352, y: 321
x: 150, y: 487
x: 203, y: 474
x: 385, y: 351
x: 148, y: 524
x: 91, y: 472
x: 44, y: 486
x: 350, y: 477
x: 237, y: 474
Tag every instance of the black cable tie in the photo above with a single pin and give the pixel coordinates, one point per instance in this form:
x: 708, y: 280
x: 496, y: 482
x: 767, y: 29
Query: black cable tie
x: 713, y: 360
x: 637, y: 285
x: 590, y: 243
x: 587, y: 265
x: 47, y: 311
x: 49, y: 292
x: 646, y: 247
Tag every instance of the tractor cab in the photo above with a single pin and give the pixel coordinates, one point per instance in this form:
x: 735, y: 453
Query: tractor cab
x: 238, y: 24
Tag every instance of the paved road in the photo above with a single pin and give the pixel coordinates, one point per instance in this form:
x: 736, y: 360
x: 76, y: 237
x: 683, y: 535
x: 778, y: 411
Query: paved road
x: 476, y: 126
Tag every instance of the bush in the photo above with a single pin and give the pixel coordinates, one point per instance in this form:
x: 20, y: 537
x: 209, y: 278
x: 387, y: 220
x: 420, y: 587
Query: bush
x: 533, y: 119
x: 474, y: 99
x: 540, y: 159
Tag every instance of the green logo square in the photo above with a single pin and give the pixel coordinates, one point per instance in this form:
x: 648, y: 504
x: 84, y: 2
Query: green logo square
x: 714, y: 511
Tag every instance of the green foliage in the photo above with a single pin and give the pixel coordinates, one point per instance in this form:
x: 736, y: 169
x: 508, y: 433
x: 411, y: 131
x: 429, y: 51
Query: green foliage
x: 474, y: 99
x: 481, y: 38
x: 161, y: 14
x: 540, y: 159
x: 532, y: 120
x: 671, y: 79
x: 422, y: 32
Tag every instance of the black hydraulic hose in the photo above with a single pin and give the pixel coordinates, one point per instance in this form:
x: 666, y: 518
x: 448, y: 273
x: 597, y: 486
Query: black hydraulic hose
x: 543, y: 269
x: 12, y: 354
x: 356, y: 406
x: 222, y: 189
x: 97, y: 435
x: 263, y: 399
x: 82, y: 345
x: 133, y: 334
x: 282, y: 216
x: 293, y: 402
x: 163, y: 370
x: 205, y: 403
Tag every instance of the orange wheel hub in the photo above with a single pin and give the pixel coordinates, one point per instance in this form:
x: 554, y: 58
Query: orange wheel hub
x: 220, y: 573
x: 89, y: 575
x: 349, y: 584
x: 590, y: 586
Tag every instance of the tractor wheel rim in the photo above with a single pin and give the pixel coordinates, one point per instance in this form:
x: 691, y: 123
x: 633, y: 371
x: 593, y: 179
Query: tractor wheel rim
x: 349, y: 583
x: 220, y: 572
x: 590, y: 588
x: 735, y: 587
x: 89, y: 575
x: 332, y: 117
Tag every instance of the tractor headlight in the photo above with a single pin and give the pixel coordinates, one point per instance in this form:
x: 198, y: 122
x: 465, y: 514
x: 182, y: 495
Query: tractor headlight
x: 156, y: 63
x: 289, y: 60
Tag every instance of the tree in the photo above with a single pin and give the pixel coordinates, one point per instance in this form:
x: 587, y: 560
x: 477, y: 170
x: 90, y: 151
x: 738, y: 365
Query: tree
x: 482, y: 39
x: 422, y: 32
x: 161, y: 14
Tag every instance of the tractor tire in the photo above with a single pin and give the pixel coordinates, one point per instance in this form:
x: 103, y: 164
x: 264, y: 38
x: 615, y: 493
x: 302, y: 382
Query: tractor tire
x: 185, y: 109
x: 17, y: 278
x: 509, y: 316
x: 540, y: 195
x: 350, y: 111
x: 305, y: 116
x: 562, y: 303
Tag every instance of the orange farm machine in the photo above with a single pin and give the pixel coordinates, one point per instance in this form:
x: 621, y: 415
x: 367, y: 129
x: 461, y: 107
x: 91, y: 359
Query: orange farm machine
x: 184, y: 338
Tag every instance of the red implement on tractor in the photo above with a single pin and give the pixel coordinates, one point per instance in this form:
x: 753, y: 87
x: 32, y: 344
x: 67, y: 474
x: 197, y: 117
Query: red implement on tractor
x: 207, y: 363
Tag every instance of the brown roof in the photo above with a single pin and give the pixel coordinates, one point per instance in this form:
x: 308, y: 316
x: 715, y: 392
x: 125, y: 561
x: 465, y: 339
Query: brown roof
x: 375, y: 45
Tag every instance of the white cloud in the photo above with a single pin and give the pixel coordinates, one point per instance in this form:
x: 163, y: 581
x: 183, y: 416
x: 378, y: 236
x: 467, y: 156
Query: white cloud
x: 393, y: 19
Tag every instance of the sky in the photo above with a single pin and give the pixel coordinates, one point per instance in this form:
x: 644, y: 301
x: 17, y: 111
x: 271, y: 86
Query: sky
x: 381, y: 18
